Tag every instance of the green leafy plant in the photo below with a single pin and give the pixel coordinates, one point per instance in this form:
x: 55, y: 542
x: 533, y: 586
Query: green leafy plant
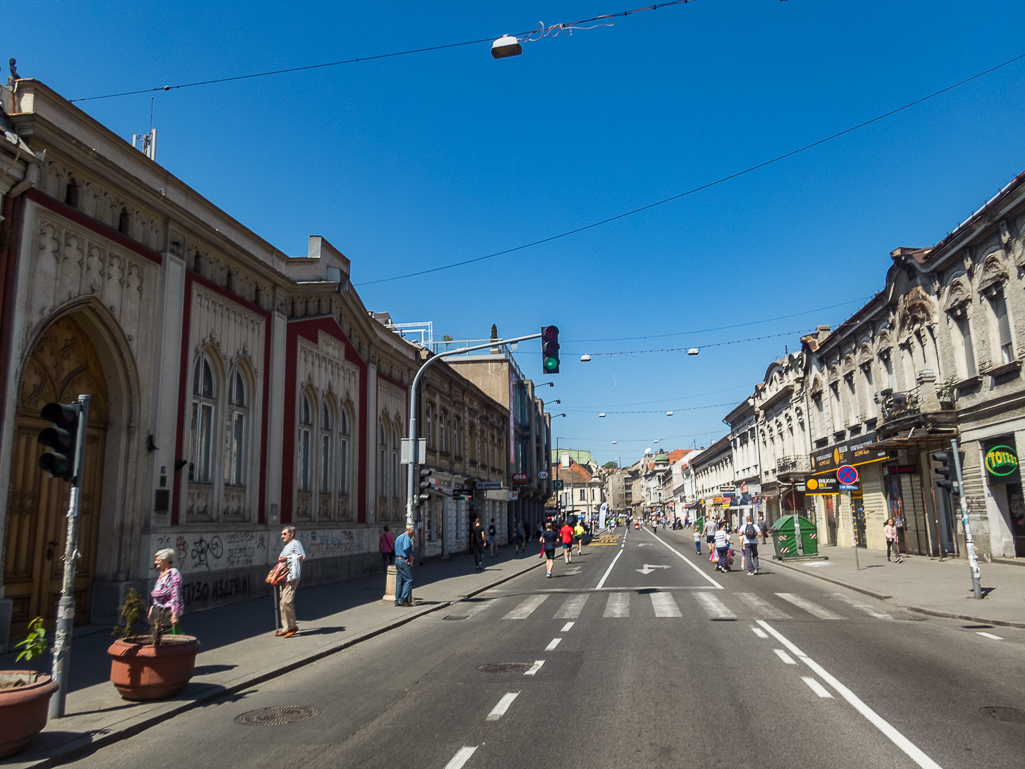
x: 34, y: 645
x: 133, y: 610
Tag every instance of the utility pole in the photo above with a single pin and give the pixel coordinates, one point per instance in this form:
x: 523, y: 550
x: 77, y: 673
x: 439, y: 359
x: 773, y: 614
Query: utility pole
x: 973, y: 558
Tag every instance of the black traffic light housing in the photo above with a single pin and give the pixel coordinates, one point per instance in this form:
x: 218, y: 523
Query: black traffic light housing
x: 550, y: 349
x: 426, y: 480
x: 61, y: 439
x: 944, y: 471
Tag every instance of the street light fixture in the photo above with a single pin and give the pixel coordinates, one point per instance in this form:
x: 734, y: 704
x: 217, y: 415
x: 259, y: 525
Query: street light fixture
x: 602, y: 415
x: 585, y: 358
x: 506, y: 46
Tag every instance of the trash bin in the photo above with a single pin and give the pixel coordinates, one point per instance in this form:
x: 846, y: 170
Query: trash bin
x: 793, y: 536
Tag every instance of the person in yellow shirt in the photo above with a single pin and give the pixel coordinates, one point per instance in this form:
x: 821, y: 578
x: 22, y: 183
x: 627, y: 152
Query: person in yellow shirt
x: 578, y: 536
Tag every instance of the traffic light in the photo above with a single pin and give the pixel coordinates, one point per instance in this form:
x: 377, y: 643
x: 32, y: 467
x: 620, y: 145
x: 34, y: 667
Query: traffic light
x: 943, y: 473
x: 61, y: 439
x: 426, y: 481
x: 550, y: 349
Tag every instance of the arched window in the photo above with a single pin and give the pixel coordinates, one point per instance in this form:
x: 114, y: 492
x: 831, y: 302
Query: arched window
x: 343, y: 451
x: 238, y: 410
x: 124, y: 222
x: 204, y: 405
x: 395, y: 443
x: 305, y: 443
x: 382, y: 459
x: 326, y: 440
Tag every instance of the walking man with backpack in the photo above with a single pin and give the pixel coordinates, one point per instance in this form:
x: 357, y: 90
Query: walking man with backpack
x: 750, y: 532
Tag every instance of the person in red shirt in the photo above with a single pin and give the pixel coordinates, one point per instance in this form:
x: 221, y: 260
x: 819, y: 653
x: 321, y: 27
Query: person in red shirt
x: 566, y: 532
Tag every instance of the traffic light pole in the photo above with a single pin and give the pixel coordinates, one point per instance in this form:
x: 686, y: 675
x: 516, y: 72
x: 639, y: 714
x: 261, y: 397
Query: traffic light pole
x: 66, y: 607
x: 411, y: 487
x: 973, y: 558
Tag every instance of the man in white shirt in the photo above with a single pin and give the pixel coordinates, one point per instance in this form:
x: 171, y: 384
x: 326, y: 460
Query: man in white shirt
x: 294, y: 554
x: 749, y: 533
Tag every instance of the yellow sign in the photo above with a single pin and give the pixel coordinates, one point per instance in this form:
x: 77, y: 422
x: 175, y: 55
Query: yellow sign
x: 812, y: 484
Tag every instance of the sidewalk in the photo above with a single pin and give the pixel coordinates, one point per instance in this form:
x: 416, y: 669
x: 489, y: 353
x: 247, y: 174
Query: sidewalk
x: 933, y: 587
x: 237, y: 644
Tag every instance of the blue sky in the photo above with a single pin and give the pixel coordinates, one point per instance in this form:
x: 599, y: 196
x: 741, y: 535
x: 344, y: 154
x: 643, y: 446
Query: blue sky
x: 419, y: 161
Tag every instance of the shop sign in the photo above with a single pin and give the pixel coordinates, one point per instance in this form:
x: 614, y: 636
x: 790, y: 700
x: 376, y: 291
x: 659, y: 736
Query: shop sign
x: 1001, y: 461
x: 489, y: 485
x: 903, y: 470
x: 856, y: 451
x: 520, y: 479
x: 822, y: 484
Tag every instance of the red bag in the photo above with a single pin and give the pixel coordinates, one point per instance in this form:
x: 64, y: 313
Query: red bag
x: 278, y: 574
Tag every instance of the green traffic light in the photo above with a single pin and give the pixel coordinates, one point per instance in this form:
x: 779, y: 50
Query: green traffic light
x: 551, y: 364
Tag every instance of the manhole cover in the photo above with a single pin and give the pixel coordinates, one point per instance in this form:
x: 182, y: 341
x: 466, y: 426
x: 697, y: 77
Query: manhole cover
x: 1007, y: 715
x: 283, y: 714
x: 505, y: 667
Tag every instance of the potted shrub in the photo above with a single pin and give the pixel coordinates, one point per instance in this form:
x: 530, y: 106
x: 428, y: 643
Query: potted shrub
x: 25, y: 695
x: 153, y: 665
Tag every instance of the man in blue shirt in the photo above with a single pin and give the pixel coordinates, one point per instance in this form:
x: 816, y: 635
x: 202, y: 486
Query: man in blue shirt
x: 403, y: 567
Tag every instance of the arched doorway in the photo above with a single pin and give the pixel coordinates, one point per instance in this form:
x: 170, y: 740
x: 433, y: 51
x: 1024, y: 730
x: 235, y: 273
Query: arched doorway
x: 62, y: 366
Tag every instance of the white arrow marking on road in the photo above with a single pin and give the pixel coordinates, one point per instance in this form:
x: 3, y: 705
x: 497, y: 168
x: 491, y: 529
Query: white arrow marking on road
x: 648, y: 568
x: 643, y: 544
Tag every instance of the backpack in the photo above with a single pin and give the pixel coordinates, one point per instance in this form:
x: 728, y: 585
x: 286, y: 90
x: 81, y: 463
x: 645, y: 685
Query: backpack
x: 750, y: 531
x: 491, y: 530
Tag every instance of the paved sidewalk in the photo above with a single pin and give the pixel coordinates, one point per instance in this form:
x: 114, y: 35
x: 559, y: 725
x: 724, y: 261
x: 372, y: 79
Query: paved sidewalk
x: 924, y: 585
x: 240, y: 650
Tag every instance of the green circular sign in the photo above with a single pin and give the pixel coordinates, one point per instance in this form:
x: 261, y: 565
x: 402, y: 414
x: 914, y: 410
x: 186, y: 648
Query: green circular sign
x: 1001, y: 461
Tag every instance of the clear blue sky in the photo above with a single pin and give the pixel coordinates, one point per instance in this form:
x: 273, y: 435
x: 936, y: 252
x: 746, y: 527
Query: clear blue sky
x: 419, y: 161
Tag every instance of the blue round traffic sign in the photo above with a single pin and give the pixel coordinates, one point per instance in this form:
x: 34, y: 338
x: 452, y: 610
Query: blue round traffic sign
x: 847, y: 475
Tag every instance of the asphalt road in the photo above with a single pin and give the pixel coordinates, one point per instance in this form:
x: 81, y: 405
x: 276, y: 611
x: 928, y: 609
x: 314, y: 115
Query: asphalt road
x: 636, y: 654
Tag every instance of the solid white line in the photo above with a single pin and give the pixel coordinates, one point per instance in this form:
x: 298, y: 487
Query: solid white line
x: 618, y: 605
x: 460, y: 758
x: 551, y: 646
x: 898, y: 739
x: 760, y: 633
x: 716, y: 609
x: 816, y: 687
x: 502, y: 706
x: 526, y: 608
x: 989, y: 635
x: 808, y: 606
x: 664, y: 605
x: 785, y: 657
x: 572, y: 607
x: 609, y: 570
x: 566, y: 627
x: 686, y: 560
x: 535, y: 667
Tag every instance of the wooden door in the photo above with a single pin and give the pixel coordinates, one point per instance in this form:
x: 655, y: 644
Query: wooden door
x: 63, y: 365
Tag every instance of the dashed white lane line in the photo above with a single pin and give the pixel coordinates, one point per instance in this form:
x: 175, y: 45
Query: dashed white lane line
x: 785, y: 657
x: 566, y: 627
x: 990, y: 635
x: 816, y: 687
x: 551, y: 646
x: 534, y: 668
x: 502, y: 706
x: 915, y: 753
x: 759, y: 632
x: 460, y: 758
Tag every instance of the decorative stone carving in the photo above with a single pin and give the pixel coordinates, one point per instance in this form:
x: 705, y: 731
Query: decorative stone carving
x: 993, y: 274
x: 959, y: 296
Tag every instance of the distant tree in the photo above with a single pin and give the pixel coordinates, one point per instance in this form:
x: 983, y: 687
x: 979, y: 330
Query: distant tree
x: 611, y: 465
x: 447, y: 339
x: 494, y: 331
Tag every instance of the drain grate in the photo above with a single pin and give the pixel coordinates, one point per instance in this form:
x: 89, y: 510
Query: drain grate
x: 1007, y: 715
x: 283, y: 714
x: 505, y: 667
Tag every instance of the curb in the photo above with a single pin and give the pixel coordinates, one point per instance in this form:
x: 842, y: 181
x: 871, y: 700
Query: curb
x: 86, y: 745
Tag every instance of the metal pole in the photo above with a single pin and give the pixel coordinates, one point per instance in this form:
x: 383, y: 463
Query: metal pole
x: 969, y: 544
x: 854, y: 530
x: 66, y: 607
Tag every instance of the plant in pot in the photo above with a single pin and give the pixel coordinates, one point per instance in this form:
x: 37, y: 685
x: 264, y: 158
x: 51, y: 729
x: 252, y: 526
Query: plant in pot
x: 25, y: 695
x: 153, y: 665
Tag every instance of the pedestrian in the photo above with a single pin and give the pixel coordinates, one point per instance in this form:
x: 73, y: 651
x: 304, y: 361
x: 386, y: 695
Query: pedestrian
x: 566, y: 532
x: 167, y: 605
x: 749, y: 536
x: 722, y: 548
x: 890, y: 532
x: 697, y: 539
x: 520, y: 538
x: 764, y: 528
x: 493, y: 538
x: 294, y: 555
x: 709, y: 529
x: 478, y: 539
x: 549, y: 538
x: 578, y: 537
x: 387, y: 542
x: 404, y: 567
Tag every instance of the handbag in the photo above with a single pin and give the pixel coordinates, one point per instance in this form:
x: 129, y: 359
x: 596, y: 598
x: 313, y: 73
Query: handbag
x: 714, y: 557
x: 278, y: 574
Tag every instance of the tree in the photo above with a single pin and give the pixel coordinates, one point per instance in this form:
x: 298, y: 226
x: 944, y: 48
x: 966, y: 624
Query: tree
x: 447, y: 339
x: 611, y: 465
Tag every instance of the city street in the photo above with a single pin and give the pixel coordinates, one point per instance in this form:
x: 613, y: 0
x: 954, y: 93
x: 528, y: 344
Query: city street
x: 638, y: 653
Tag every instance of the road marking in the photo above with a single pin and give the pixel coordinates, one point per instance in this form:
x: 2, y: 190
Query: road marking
x: 572, y: 607
x: 716, y: 609
x: 648, y: 568
x: 534, y: 668
x: 566, y: 627
x: 989, y: 635
x: 860, y: 606
x: 764, y: 609
x: 808, y: 606
x: 618, y: 605
x: 898, y: 739
x: 502, y: 706
x: 785, y: 657
x: 687, y: 561
x: 609, y: 571
x: 664, y: 605
x: 526, y: 608
x: 816, y: 687
x: 551, y: 646
x: 460, y: 758
x: 760, y: 633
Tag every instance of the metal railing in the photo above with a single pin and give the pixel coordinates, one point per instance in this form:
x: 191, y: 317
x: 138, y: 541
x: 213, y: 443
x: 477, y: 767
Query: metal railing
x: 899, y: 405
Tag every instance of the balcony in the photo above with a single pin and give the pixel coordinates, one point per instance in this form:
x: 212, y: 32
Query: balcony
x: 793, y: 468
x: 898, y: 405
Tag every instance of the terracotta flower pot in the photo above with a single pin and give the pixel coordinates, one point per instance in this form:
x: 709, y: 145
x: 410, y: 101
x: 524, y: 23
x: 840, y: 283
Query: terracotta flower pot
x: 23, y: 709
x: 145, y: 672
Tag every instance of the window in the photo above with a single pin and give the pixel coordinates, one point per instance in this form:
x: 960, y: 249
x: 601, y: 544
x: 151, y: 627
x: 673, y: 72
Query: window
x: 457, y: 437
x: 343, y: 452
x: 852, y: 395
x: 998, y: 306
x: 442, y: 434
x: 204, y: 401
x: 305, y: 443
x: 235, y: 456
x: 430, y: 426
x: 967, y: 357
x: 582, y: 492
x: 395, y: 443
x: 382, y: 460
x: 326, y: 440
x: 866, y: 370
x: 891, y: 382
